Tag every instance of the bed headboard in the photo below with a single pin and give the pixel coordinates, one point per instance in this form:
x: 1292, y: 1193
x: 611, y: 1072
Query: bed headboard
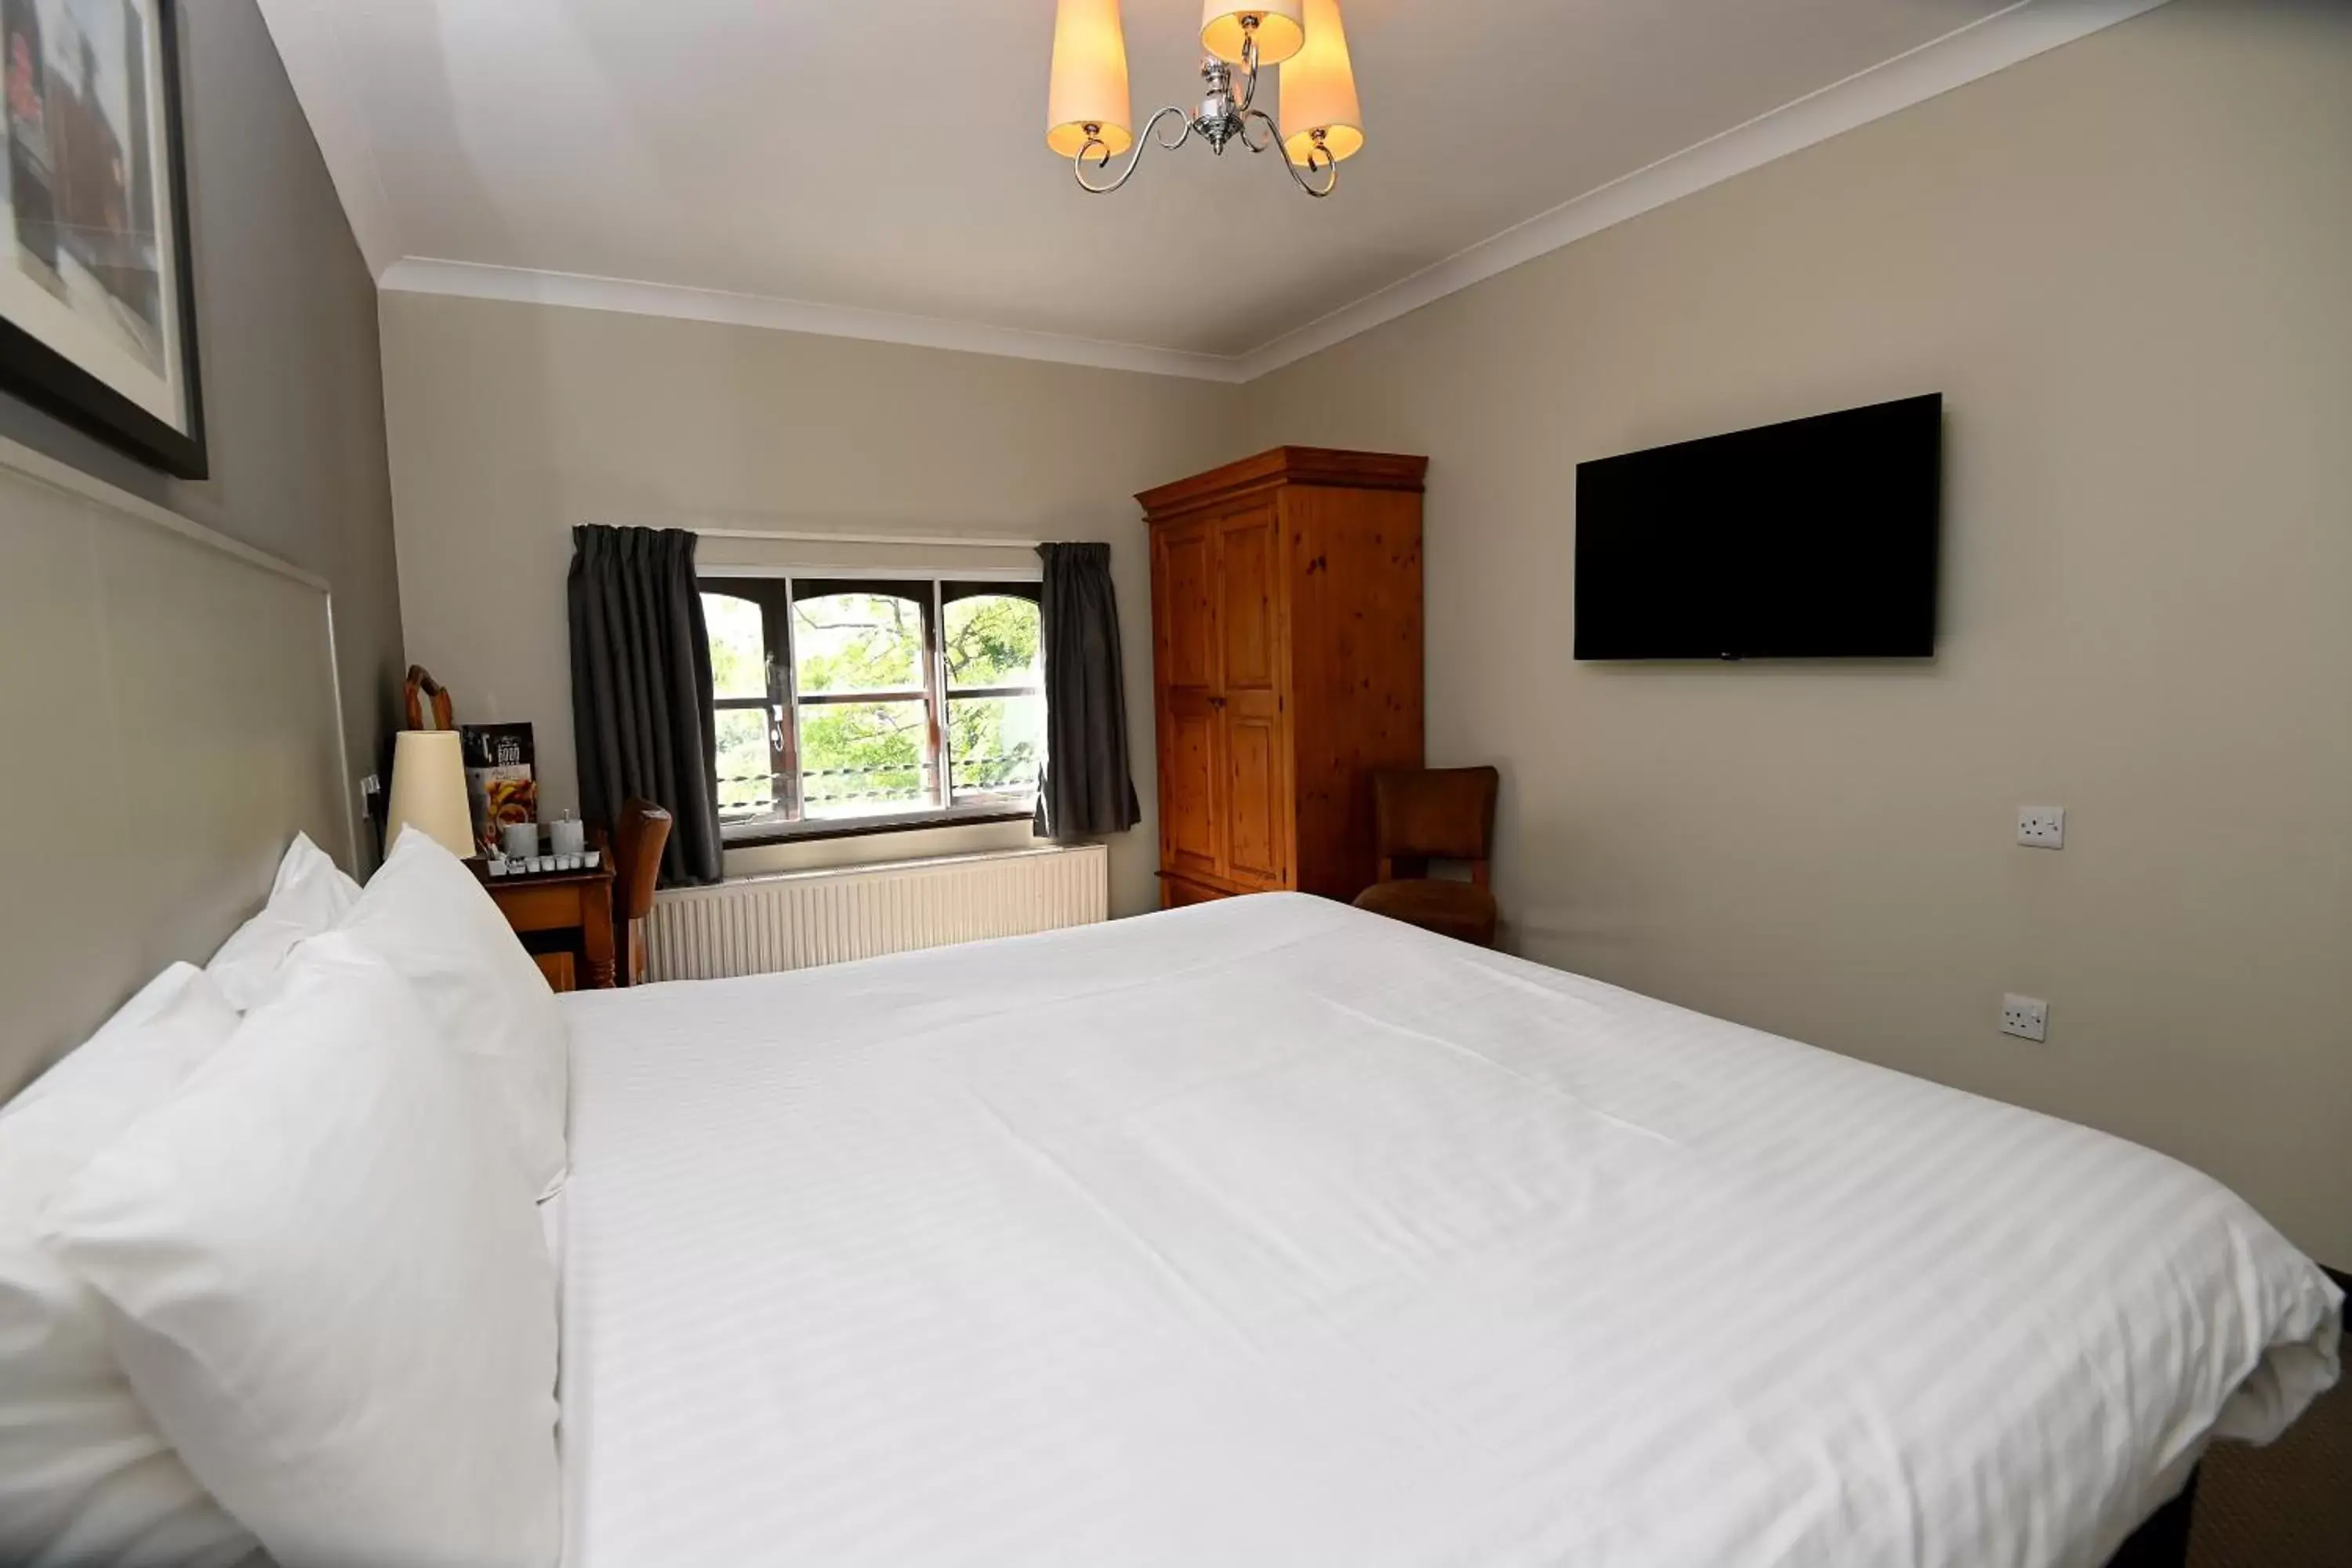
x: 169, y: 719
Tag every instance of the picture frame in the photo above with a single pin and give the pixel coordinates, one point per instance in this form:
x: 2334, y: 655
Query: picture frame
x: 98, y: 318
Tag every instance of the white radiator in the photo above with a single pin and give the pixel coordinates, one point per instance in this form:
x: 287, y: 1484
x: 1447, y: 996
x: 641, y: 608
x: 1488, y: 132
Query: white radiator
x: 800, y: 919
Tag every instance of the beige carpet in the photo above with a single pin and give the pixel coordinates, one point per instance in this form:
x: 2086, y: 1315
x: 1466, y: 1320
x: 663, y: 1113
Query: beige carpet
x: 2286, y: 1506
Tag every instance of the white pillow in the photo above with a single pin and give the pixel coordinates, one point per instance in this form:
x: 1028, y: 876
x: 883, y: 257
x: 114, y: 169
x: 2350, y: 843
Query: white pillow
x: 84, y: 1474
x: 430, y: 920
x: 311, y: 894
x: 326, y: 1281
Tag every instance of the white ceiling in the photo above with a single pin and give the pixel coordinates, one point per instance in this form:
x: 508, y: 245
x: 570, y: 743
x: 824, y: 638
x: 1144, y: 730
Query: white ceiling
x: 889, y: 157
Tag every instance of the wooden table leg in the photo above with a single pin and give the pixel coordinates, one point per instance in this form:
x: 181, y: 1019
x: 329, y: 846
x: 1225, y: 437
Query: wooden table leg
x: 596, y: 934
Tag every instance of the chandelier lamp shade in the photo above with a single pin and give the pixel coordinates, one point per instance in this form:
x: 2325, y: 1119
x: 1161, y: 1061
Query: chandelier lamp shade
x: 1088, y: 104
x: 1319, y: 91
x: 1090, y: 120
x: 1278, y: 31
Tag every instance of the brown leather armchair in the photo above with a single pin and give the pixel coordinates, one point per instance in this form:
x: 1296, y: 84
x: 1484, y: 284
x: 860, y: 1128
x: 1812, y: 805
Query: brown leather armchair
x: 1437, y: 814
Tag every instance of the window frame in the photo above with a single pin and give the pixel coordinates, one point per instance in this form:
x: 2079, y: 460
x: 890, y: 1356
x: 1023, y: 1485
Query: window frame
x: 776, y: 591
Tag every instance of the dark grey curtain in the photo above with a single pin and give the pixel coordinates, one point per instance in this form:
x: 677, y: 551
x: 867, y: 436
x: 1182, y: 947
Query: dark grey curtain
x: 1086, y: 788
x: 641, y: 709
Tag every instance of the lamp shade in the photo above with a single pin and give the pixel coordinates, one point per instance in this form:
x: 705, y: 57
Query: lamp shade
x: 428, y: 790
x: 1090, y: 85
x: 1280, y: 29
x: 1318, y: 90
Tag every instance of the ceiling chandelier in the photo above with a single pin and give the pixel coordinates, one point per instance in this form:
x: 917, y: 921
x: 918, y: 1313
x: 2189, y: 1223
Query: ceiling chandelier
x: 1089, y: 122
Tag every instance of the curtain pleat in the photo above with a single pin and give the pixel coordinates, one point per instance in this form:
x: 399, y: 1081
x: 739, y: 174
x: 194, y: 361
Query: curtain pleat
x: 1086, y: 789
x: 641, y: 706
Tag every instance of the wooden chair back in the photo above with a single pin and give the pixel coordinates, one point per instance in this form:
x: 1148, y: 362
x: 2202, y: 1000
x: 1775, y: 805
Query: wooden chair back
x: 639, y: 839
x: 426, y: 698
x: 1435, y: 814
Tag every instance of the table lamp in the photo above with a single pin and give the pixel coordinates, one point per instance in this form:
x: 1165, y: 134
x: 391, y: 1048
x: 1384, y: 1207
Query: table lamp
x: 428, y: 791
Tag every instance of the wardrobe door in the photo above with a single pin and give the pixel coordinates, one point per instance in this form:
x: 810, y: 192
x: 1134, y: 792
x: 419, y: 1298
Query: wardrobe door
x: 1249, y: 698
x: 1184, y: 603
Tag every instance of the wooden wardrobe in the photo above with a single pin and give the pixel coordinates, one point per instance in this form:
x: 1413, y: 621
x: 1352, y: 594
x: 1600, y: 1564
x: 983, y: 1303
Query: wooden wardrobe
x: 1286, y: 641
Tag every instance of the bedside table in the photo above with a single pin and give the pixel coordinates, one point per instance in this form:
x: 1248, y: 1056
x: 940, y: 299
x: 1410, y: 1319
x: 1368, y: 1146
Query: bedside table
x: 565, y: 919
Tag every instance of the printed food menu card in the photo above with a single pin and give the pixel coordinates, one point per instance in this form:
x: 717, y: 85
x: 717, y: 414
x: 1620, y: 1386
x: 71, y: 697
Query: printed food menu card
x: 499, y: 779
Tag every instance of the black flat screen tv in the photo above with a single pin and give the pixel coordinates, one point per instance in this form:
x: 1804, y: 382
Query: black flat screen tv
x: 1816, y: 539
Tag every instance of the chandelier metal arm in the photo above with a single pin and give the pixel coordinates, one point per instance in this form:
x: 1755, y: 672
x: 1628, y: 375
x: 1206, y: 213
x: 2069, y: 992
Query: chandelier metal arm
x: 1223, y: 117
x: 1318, y: 157
x: 1100, y: 150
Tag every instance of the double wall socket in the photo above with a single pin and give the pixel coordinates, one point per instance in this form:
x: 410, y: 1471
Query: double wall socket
x: 2042, y: 826
x: 2027, y: 1017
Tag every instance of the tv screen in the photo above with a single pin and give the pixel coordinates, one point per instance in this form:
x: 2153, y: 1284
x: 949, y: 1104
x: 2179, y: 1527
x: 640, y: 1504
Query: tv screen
x: 1815, y: 539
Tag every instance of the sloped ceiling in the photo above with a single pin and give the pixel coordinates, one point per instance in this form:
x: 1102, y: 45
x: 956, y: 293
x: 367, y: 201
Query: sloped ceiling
x: 879, y: 168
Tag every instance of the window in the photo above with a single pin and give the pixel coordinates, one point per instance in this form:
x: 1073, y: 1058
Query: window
x: 847, y: 703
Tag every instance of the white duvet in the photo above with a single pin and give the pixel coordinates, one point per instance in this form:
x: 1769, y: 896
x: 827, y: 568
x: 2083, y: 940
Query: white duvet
x: 1270, y: 1233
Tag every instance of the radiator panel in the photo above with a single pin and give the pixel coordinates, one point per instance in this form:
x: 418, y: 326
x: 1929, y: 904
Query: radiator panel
x: 798, y: 921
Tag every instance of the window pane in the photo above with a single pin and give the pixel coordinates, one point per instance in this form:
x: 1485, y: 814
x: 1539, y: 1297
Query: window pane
x: 739, y: 657
x: 747, y: 782
x: 993, y: 745
x: 991, y: 640
x: 861, y: 759
x: 858, y: 642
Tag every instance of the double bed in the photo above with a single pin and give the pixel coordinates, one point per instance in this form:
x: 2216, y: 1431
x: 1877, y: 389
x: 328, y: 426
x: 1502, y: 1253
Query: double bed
x: 1260, y: 1232
x: 1269, y: 1232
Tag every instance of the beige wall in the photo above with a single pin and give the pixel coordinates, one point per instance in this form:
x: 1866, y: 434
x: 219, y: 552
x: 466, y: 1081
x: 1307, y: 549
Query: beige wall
x: 510, y: 424
x: 2124, y: 264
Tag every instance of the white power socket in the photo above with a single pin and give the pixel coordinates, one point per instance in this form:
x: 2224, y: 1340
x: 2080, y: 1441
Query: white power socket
x: 2027, y: 1017
x: 2042, y: 826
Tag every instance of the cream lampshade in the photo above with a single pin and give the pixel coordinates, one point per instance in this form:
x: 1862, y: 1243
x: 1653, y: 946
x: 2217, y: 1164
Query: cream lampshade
x: 428, y: 791
x: 1280, y: 31
x: 1089, y: 84
x: 1318, y: 90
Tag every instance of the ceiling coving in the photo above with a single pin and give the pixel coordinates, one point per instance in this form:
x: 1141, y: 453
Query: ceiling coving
x: 1089, y: 117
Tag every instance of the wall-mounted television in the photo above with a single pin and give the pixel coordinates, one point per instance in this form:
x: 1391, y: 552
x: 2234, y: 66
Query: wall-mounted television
x: 1816, y: 539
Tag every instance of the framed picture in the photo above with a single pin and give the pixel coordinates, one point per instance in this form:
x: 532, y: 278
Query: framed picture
x: 97, y: 301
